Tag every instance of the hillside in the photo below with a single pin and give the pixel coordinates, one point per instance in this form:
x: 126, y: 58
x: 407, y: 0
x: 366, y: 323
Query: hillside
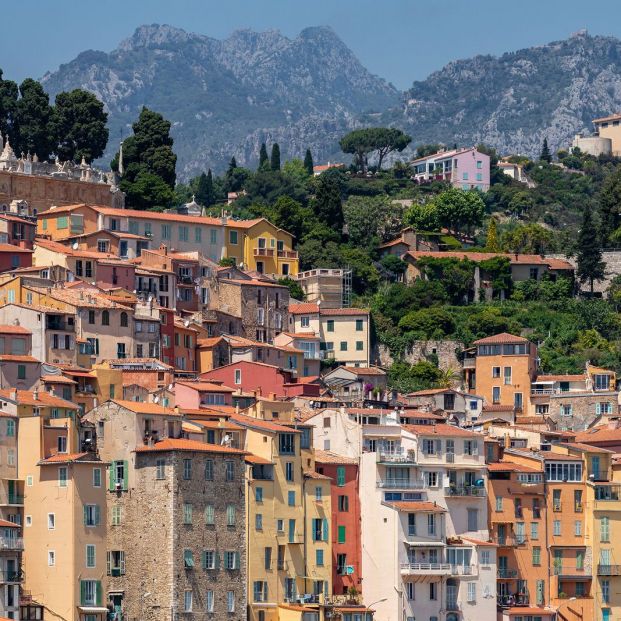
x: 513, y: 101
x: 226, y: 97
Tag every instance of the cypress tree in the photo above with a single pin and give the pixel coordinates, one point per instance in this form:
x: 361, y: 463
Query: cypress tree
x: 232, y: 163
x: 263, y: 158
x: 491, y: 242
x: 308, y: 162
x: 275, y: 159
x: 204, y: 189
x: 589, y: 257
x: 545, y: 152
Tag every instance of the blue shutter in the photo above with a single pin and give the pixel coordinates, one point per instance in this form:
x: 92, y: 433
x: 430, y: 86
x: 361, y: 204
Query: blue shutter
x: 97, y: 516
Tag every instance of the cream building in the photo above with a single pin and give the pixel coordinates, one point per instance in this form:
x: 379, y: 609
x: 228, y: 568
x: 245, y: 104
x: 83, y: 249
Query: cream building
x: 610, y: 127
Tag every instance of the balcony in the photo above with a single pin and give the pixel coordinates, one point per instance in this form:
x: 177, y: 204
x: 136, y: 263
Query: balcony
x: 511, y: 542
x: 11, y: 543
x: 508, y: 601
x: 426, y: 569
x: 11, y: 576
x: 463, y: 570
x: 609, y: 570
x: 453, y: 606
x: 398, y: 456
x: 287, y: 254
x: 598, y: 475
x: 541, y: 392
x: 400, y: 484
x: 607, y: 493
x: 507, y: 574
x: 12, y: 499
x: 264, y: 252
x: 567, y: 571
x: 469, y: 363
x: 465, y: 490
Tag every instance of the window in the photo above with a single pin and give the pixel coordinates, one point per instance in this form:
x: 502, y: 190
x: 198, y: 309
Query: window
x: 341, y: 534
x: 183, y: 233
x: 340, y: 476
x: 62, y: 476
x: 208, y: 558
x: 534, y: 530
x: 343, y: 346
x: 233, y: 237
x: 188, y: 559
x: 578, y: 528
x: 471, y: 447
x: 90, y: 555
x: 479, y: 164
x: 556, y: 528
x: 318, y: 494
x: 465, y: 176
x: 187, y: 601
x: 165, y: 231
x: 259, y: 591
x: 496, y: 394
x: 51, y: 521
x: 566, y: 409
x: 230, y: 600
x: 498, y: 503
x: 115, y: 563
x: 431, y: 478
x: 160, y: 469
x: 410, y: 591
x: 258, y: 494
x: 210, y: 515
x: 605, y: 591
x: 472, y: 592
x: 229, y: 470
x: 291, y: 498
x: 341, y: 564
x: 431, y: 524
x: 116, y: 515
x: 209, y: 601
x: 187, y: 469
x: 343, y: 504
x: 51, y: 558
x: 231, y: 560
x: 91, y: 515
x: 96, y: 477
x: 286, y: 443
x: 473, y: 519
x: 21, y: 371
x: 258, y: 521
x: 359, y: 345
x: 267, y: 557
x: 604, y: 529
x: 563, y: 471
x: 187, y: 513
x: 230, y: 515
x: 305, y: 322
x: 536, y: 555
x: 330, y: 325
x: 433, y: 591
x: 197, y: 234
x: 486, y: 557
x: 238, y: 376
x: 105, y: 318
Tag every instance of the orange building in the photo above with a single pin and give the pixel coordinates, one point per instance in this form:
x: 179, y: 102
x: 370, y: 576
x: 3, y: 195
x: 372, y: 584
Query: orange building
x: 503, y: 370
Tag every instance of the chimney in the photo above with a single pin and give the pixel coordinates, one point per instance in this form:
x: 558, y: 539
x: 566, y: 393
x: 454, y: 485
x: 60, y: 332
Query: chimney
x: 164, y: 249
x: 13, y: 394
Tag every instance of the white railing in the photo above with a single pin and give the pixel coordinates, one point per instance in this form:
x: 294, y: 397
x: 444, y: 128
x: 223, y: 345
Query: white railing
x: 11, y: 543
x: 426, y: 567
x: 400, y: 484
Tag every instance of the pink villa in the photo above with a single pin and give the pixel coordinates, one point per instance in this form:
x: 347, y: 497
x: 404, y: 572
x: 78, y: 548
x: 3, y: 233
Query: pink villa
x: 467, y: 169
x: 196, y: 395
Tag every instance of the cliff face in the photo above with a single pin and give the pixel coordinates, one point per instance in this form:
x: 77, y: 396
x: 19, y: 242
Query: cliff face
x: 226, y: 97
x: 513, y: 101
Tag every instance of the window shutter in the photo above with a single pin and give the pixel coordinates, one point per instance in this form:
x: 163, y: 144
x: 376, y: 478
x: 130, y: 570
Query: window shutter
x: 438, y: 446
x: 98, y: 593
x: 598, y: 408
x: 85, y: 509
x: 82, y: 593
x: 97, y: 515
x: 122, y: 562
x: 237, y: 560
x: 265, y: 595
x: 217, y: 561
x: 325, y: 529
x: 204, y: 559
x: 125, y: 473
x: 109, y: 563
x: 111, y: 468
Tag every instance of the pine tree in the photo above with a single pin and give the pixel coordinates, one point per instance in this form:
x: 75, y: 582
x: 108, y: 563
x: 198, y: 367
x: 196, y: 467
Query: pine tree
x: 233, y: 163
x: 589, y: 257
x: 275, y: 159
x: 204, y: 190
x: 545, y: 152
x: 308, y: 162
x: 491, y: 242
x: 327, y: 205
x: 263, y: 158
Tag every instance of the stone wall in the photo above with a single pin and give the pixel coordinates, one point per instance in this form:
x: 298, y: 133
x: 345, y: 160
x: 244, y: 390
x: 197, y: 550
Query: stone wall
x: 420, y: 350
x: 153, y: 536
x: 612, y: 259
x: 583, y: 409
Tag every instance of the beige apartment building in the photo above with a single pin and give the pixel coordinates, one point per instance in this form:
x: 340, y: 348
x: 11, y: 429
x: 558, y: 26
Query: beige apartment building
x: 344, y: 332
x: 610, y: 127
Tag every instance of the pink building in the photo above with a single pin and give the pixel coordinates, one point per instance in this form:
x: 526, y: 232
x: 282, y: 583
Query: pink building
x: 466, y: 169
x: 264, y: 378
x: 195, y: 395
x: 112, y: 273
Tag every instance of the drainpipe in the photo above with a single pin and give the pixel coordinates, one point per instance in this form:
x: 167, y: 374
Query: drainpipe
x: 545, y: 508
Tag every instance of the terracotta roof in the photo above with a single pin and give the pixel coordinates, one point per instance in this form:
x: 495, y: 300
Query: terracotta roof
x: 365, y: 370
x: 335, y: 312
x: 26, y: 397
x: 599, y: 434
x: 611, y: 117
x: 217, y: 424
x: 393, y: 242
x: 530, y: 610
x: 302, y: 335
x: 311, y: 474
x: 441, y: 430
x: 15, y: 358
x: 69, y: 458
x: 14, y: 330
x: 57, y: 379
x: 477, y: 257
x: 328, y: 457
x: 55, y: 246
x: 258, y: 461
x: 182, y: 444
x: 497, y: 407
x: 7, y: 524
x: 560, y: 378
x: 417, y: 506
x: 303, y: 308
x: 550, y: 456
x: 145, y: 408
x: 530, y: 420
x: 155, y: 215
x: 259, y: 423
x: 479, y: 542
x: 209, y: 342
x: 11, y: 248
x: 503, y: 337
x: 507, y: 466
x: 82, y: 297
x: 586, y: 447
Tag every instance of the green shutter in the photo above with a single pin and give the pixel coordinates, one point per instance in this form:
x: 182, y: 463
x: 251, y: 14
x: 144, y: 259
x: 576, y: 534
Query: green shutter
x: 204, y: 559
x: 217, y: 561
x: 99, y: 598
x: 109, y: 563
x: 340, y: 476
x: 125, y: 473
x: 85, y: 515
x: 341, y: 535
x: 237, y: 560
x: 325, y: 529
x: 111, y: 476
x: 97, y: 515
x: 82, y: 593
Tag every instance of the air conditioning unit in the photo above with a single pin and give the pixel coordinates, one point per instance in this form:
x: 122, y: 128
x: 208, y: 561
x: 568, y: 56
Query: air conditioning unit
x: 118, y: 486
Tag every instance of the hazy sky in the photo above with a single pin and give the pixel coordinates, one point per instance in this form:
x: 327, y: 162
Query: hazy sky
x: 400, y: 40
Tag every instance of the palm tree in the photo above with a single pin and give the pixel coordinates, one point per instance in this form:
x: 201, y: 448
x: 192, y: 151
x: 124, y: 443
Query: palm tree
x: 448, y: 377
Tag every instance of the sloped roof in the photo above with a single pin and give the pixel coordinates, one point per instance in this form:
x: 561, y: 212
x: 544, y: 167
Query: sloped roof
x: 502, y: 338
x: 328, y: 457
x: 182, y: 444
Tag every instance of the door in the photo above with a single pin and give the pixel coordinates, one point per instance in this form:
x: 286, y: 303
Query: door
x: 117, y: 602
x: 123, y: 248
x: 291, y: 531
x: 502, y: 534
x: 451, y: 596
x: 595, y: 467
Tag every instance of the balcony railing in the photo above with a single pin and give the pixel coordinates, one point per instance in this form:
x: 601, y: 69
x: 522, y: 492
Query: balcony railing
x: 398, y: 456
x: 466, y: 490
x: 520, y: 599
x: 511, y: 542
x: 607, y: 492
x: 609, y: 570
x: 288, y: 254
x: 264, y: 252
x: 400, y: 484
x: 598, y: 475
x: 452, y: 606
x: 11, y: 543
x: 507, y: 574
x: 434, y: 569
x: 537, y: 392
x: 11, y: 576
x: 12, y: 499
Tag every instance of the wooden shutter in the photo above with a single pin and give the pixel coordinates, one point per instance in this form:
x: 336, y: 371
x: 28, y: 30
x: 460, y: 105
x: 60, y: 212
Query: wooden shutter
x: 97, y: 515
x: 237, y: 561
x: 125, y: 474
x: 111, y: 469
x: 109, y: 563
x: 98, y: 593
x: 82, y: 593
x: 204, y: 559
x: 325, y: 529
x: 122, y: 563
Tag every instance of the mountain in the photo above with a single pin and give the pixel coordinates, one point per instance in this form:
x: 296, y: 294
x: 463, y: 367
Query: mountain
x: 513, y: 101
x: 225, y: 98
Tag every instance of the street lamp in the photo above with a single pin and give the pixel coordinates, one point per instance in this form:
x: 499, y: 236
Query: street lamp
x: 379, y: 601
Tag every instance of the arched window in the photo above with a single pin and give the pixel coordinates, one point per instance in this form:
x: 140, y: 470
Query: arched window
x: 105, y: 318
x: 124, y: 322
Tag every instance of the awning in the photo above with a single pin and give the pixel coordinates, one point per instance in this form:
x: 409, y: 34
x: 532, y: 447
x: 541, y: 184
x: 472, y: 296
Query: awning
x: 93, y: 610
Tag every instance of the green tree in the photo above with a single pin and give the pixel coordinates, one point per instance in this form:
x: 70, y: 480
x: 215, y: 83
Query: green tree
x: 33, y: 117
x: 308, y: 162
x: 589, y: 256
x: 327, y: 204
x: 528, y: 239
x: 79, y: 121
x: 295, y: 290
x: 358, y: 143
x: 407, y: 378
x: 613, y: 293
x: 386, y: 140
x: 428, y: 323
x: 458, y: 208
x: 264, y: 161
x: 423, y: 217
x: 275, y: 158
x: 545, y: 156
x: 147, y: 191
x: 610, y: 206
x: 8, y: 109
x: 233, y: 163
x: 491, y: 240
x: 371, y: 219
x: 204, y: 190
x: 394, y: 265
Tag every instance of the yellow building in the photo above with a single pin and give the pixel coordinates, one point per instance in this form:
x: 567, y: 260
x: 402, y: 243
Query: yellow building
x: 64, y: 557
x: 260, y: 246
x: 610, y: 127
x: 289, y: 516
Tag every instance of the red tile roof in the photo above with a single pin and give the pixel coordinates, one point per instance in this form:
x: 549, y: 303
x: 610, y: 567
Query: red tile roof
x: 14, y: 358
x: 259, y: 423
x: 26, y: 397
x: 145, y: 408
x: 311, y: 474
x: 335, y: 312
x: 57, y: 379
x: 11, y: 248
x: 14, y: 330
x: 599, y: 434
x: 365, y: 370
x: 182, y: 444
x: 417, y: 506
x: 502, y: 338
x: 328, y: 457
x: 69, y: 458
x: 303, y: 308
x: 560, y: 378
x: 258, y: 461
x: 507, y: 466
x: 7, y: 524
x: 441, y: 430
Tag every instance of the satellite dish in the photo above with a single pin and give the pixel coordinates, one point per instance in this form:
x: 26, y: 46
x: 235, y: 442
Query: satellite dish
x: 186, y: 323
x: 75, y: 245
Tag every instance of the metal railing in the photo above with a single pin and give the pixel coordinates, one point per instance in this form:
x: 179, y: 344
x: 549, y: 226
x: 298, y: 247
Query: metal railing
x: 423, y: 568
x: 11, y: 543
x: 609, y: 570
x: 465, y: 490
x: 397, y: 456
x: 511, y: 542
x: 11, y: 576
x: 507, y: 574
x: 12, y: 499
x: 400, y: 484
x: 607, y: 492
